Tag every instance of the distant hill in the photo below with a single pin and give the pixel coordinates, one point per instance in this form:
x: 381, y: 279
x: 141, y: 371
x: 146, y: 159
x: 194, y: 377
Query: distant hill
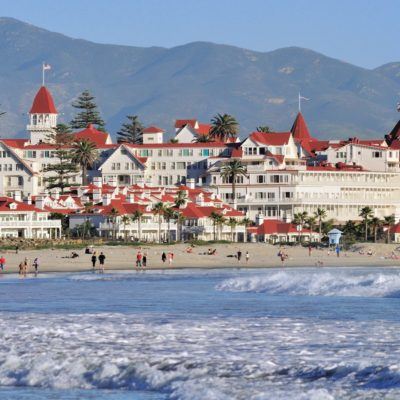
x: 194, y: 80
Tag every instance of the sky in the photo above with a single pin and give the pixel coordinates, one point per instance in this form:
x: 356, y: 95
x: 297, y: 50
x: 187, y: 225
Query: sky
x: 362, y: 32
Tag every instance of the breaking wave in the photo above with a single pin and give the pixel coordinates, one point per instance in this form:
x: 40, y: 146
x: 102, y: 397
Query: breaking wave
x: 215, y: 358
x: 317, y: 284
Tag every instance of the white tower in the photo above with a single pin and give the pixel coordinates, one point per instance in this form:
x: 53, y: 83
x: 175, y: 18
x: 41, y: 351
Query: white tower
x: 42, y: 116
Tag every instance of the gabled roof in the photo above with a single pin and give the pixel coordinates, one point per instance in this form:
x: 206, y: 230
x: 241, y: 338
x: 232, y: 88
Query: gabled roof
x: 271, y: 138
x: 394, y: 134
x: 95, y: 136
x: 300, y: 129
x: 276, y: 227
x: 43, y: 103
x: 5, y: 203
x: 179, y: 123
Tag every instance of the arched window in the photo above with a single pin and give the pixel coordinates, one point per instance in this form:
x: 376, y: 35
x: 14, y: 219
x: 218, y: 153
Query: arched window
x: 34, y: 119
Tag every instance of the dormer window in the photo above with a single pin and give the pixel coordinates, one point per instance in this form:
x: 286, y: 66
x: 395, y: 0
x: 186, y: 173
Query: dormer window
x: 13, y: 206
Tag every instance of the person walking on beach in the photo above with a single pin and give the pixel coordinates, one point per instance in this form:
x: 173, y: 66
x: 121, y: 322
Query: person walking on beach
x: 144, y: 261
x: 170, y: 258
x: 36, y: 265
x: 163, y: 257
x: 282, y: 256
x: 2, y: 263
x: 26, y: 266
x: 21, y: 268
x: 309, y: 250
x: 16, y: 249
x: 139, y: 259
x: 247, y: 257
x: 102, y: 257
x: 239, y: 255
x: 94, y: 260
x: 337, y: 249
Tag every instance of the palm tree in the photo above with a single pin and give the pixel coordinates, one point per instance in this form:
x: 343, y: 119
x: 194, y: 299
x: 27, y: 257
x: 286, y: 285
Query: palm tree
x: 299, y: 219
x: 159, y: 209
x: 232, y: 223
x: 320, y: 214
x: 169, y: 213
x: 375, y: 223
x: 203, y: 138
x: 263, y: 128
x: 366, y: 213
x: 84, y: 154
x: 180, y: 219
x: 180, y: 198
x: 215, y: 217
x: 224, y: 127
x: 310, y: 221
x: 137, y: 216
x: 232, y: 170
x: 125, y: 221
x: 113, y: 216
x: 389, y: 222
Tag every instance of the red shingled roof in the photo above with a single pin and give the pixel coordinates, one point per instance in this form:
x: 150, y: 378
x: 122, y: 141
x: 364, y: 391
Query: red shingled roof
x: 43, y: 103
x: 300, y: 129
x: 276, y: 227
x: 179, y: 123
x: 6, y: 201
x: 271, y: 138
x: 93, y: 135
x: 153, y: 129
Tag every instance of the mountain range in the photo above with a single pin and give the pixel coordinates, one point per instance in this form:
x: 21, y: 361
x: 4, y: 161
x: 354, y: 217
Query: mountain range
x: 195, y: 80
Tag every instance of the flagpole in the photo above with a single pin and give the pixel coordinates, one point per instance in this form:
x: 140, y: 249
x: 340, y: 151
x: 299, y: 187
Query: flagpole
x: 299, y: 102
x: 43, y: 74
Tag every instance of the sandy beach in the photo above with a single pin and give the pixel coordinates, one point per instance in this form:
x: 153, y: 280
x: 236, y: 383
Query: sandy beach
x: 261, y: 255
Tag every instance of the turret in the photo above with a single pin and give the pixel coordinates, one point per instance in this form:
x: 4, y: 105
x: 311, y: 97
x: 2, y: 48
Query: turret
x: 42, y: 116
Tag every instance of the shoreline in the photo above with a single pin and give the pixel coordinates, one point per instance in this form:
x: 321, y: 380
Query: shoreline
x: 123, y: 258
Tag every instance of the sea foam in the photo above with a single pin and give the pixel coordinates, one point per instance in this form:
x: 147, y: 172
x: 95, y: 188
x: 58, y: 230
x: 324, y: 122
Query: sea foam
x: 299, y: 283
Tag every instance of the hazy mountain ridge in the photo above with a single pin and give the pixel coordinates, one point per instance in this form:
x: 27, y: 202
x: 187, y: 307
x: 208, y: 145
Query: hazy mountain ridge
x: 195, y: 80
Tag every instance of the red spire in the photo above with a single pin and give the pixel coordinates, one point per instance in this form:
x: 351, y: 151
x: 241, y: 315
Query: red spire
x: 43, y: 103
x: 299, y: 128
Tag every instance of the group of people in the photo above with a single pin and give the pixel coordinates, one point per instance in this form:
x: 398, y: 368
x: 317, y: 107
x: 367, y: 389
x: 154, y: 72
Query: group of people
x: 169, y: 257
x: 24, y: 266
x: 141, y: 259
x: 239, y: 256
x: 101, y: 259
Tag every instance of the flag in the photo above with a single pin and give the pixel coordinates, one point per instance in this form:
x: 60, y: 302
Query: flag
x: 303, y: 98
x: 46, y: 67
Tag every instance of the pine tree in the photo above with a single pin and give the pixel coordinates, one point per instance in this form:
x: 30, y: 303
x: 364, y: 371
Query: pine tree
x: 88, y: 113
x: 132, y: 131
x: 63, y: 169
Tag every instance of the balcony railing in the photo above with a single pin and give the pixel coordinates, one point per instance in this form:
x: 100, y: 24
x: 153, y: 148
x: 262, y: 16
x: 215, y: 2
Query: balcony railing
x: 31, y: 224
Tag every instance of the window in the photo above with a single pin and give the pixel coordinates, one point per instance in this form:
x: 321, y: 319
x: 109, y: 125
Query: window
x: 260, y: 178
x: 126, y: 165
x: 180, y: 165
x: 159, y: 153
x: 261, y: 195
x: 20, y: 181
x: 19, y: 167
x: 163, y: 165
x: 271, y: 195
x: 172, y: 165
x: 205, y: 152
x: 146, y: 153
x: 186, y: 152
x: 168, y: 152
x: 376, y: 154
x: 279, y: 178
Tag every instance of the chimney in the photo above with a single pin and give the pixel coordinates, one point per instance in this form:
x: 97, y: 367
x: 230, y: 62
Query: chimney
x: 200, y: 199
x: 96, y: 195
x: 17, y: 195
x: 191, y: 183
x: 130, y: 198
x: 39, y: 203
x: 29, y: 199
x: 106, y: 199
x: 97, y: 181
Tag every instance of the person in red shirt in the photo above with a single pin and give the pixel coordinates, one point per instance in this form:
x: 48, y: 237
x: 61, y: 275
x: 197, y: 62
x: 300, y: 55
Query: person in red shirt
x: 2, y: 263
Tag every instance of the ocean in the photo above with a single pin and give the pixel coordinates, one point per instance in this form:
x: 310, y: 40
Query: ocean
x: 305, y: 333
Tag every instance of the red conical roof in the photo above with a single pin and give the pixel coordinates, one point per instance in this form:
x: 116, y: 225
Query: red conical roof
x: 43, y: 103
x: 299, y: 128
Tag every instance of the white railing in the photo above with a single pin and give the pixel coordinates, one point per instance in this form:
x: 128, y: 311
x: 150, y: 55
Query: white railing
x: 31, y: 224
x: 134, y: 227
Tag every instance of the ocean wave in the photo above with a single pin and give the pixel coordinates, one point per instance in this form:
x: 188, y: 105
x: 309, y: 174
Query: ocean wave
x: 317, y: 284
x: 240, y: 358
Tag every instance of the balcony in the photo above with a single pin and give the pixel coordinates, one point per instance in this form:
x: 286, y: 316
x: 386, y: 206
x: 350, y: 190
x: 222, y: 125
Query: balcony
x: 31, y: 224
